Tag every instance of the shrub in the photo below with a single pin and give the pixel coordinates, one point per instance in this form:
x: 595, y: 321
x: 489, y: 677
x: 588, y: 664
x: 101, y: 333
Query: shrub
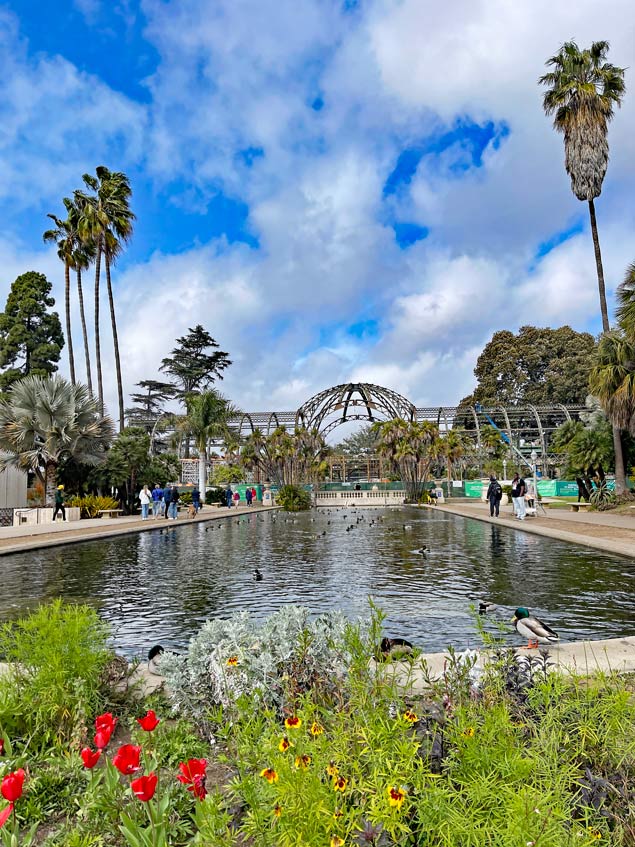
x: 91, y: 505
x: 214, y: 495
x: 293, y: 498
x: 58, y: 656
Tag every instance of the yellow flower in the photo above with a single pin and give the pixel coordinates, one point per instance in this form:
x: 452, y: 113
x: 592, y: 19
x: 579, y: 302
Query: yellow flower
x: 232, y: 661
x: 338, y: 813
x: 269, y: 774
x: 336, y: 841
x: 284, y: 744
x: 316, y: 729
x: 411, y: 717
x: 332, y: 769
x: 302, y: 761
x: 396, y: 796
x: 293, y: 722
x: 468, y: 732
x: 594, y: 833
x: 339, y: 783
x: 277, y: 810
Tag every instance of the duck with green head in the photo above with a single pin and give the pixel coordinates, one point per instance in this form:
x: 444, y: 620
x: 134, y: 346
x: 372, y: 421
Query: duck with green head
x: 535, y: 631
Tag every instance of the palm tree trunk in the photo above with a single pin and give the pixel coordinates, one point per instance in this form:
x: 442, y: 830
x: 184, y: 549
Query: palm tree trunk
x: 620, y: 475
x: 67, y: 303
x: 80, y: 294
x: 100, y: 384
x: 115, y: 340
x: 202, y: 471
x: 51, y: 483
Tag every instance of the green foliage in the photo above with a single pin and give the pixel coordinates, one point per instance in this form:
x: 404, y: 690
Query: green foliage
x: 293, y: 498
x: 214, y: 495
x: 412, y: 447
x: 224, y: 475
x: 191, y: 367
x: 539, y: 366
x: 31, y: 338
x: 285, y: 458
x: 58, y: 655
x: 361, y: 443
x: 91, y: 504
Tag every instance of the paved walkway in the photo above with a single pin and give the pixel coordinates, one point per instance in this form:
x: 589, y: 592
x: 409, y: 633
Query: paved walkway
x: 604, y: 531
x: 15, y: 539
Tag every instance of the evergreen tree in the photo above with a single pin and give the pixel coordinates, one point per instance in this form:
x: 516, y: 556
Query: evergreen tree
x: 149, y: 404
x: 31, y: 337
x: 190, y: 364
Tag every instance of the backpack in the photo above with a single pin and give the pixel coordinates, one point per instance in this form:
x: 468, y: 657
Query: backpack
x: 497, y: 491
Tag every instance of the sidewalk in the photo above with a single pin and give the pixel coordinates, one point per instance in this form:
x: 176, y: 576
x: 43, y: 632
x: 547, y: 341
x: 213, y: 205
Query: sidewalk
x: 15, y: 539
x: 601, y: 530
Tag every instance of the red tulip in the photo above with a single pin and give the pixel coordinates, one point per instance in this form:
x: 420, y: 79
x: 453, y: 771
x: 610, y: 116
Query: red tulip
x: 11, y: 787
x: 89, y: 758
x: 193, y: 776
x: 144, y: 787
x: 4, y: 814
x: 102, y: 738
x: 149, y: 721
x: 126, y: 759
x: 1, y: 746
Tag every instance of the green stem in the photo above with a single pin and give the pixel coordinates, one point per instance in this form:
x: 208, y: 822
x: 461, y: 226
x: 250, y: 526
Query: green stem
x: 152, y: 823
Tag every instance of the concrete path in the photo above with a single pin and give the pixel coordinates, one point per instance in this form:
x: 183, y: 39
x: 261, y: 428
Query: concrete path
x: 15, y: 539
x: 601, y: 530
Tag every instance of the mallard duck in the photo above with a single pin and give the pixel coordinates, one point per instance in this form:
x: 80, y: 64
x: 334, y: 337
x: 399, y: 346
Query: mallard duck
x: 535, y: 631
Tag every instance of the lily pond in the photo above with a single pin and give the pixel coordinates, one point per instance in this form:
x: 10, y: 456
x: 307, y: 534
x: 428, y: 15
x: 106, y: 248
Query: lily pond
x: 160, y: 586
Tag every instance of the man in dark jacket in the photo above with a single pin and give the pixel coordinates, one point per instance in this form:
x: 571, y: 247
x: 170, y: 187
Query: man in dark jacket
x: 196, y: 498
x: 519, y: 489
x: 494, y: 495
x: 174, y: 502
x: 167, y: 499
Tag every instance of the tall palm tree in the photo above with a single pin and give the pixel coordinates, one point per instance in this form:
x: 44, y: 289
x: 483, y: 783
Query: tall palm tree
x: 107, y: 221
x: 65, y: 236
x: 208, y: 416
x: 626, y: 302
x: 44, y: 420
x: 612, y: 379
x: 83, y: 255
x: 583, y: 89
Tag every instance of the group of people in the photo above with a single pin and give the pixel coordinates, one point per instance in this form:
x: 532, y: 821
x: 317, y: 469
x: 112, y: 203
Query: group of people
x: 164, y: 501
x: 522, y: 496
x: 232, y: 498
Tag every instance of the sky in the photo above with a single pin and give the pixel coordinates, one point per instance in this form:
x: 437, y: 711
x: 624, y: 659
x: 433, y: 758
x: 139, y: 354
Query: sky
x: 338, y: 190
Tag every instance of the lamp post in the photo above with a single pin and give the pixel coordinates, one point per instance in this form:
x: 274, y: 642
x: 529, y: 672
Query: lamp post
x: 534, y: 457
x: 505, y: 469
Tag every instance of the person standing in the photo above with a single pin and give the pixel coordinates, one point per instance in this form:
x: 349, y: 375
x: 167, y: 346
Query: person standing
x: 236, y: 499
x: 167, y: 498
x: 229, y: 496
x: 59, y: 503
x: 174, y: 503
x: 145, y: 498
x: 196, y: 499
x: 157, y: 497
x: 494, y: 495
x: 248, y: 496
x: 519, y: 489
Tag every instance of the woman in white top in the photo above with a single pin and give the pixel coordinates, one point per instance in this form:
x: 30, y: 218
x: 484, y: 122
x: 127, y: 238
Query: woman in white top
x: 145, y: 498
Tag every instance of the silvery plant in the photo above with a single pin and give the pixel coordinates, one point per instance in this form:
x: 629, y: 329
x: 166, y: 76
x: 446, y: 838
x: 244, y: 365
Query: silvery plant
x: 289, y: 653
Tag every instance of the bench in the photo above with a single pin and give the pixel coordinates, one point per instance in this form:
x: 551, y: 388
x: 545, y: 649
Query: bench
x: 110, y: 512
x: 575, y: 507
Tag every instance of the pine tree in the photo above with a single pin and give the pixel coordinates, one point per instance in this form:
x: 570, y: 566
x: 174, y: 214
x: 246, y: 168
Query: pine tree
x: 190, y: 365
x: 31, y: 337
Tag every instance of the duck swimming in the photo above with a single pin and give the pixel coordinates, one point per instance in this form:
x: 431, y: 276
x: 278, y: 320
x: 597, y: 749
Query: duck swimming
x: 535, y: 631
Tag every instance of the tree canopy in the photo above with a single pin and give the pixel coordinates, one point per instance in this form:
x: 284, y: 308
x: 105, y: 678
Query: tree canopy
x: 536, y: 365
x: 191, y: 366
x: 364, y: 442
x: 31, y: 336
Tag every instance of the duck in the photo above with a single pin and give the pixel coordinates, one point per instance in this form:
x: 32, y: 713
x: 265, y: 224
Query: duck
x: 407, y: 527
x: 535, y: 631
x: 420, y: 552
x: 154, y: 653
x: 484, y: 606
x: 257, y: 575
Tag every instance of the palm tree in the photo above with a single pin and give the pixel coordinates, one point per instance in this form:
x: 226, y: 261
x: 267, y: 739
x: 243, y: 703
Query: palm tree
x: 106, y: 221
x: 612, y: 380
x: 583, y: 90
x: 44, y: 420
x: 452, y: 447
x: 65, y: 237
x: 83, y: 255
x: 409, y: 445
x: 626, y: 303
x: 208, y: 416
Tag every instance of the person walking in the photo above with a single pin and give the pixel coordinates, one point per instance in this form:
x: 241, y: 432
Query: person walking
x: 167, y: 499
x: 519, y: 489
x: 145, y: 498
x: 494, y: 495
x: 157, y: 497
x: 196, y: 499
x: 229, y: 496
x: 174, y: 503
x: 236, y: 499
x: 248, y: 496
x: 59, y: 503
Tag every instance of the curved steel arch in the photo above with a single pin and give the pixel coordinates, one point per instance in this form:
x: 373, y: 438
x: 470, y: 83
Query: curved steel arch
x: 347, y: 399
x: 244, y: 416
x: 271, y: 416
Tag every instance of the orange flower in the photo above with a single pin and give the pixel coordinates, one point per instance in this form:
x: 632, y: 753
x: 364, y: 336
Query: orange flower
x: 336, y: 841
x: 339, y: 783
x: 332, y: 769
x: 277, y: 810
x: 284, y: 744
x: 468, y: 732
x: 232, y: 661
x: 302, y: 761
x: 269, y: 774
x: 410, y: 716
x: 293, y: 722
x: 396, y: 796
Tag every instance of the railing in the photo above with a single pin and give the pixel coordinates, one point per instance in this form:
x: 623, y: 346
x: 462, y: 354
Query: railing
x: 359, y: 498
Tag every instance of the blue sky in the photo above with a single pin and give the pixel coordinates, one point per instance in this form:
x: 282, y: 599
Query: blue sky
x: 358, y: 190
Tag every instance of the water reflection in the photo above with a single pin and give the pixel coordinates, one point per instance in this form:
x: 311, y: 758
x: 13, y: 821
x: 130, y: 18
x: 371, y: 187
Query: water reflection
x: 160, y: 586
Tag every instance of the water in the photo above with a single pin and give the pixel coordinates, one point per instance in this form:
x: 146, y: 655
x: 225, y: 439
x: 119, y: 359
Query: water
x: 159, y: 587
